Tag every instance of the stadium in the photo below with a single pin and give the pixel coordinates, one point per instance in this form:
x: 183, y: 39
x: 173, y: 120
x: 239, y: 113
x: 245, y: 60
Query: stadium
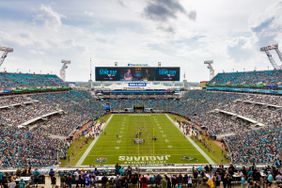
x: 141, y: 125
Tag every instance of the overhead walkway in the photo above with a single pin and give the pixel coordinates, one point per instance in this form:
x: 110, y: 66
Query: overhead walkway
x: 256, y: 123
x: 23, y: 125
x: 19, y: 104
x: 259, y: 103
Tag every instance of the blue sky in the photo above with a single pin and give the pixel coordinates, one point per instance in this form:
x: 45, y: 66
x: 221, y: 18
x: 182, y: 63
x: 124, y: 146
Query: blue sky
x: 175, y: 32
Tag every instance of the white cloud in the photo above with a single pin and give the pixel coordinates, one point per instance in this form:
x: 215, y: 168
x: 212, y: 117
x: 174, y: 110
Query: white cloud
x: 48, y: 16
x: 88, y: 13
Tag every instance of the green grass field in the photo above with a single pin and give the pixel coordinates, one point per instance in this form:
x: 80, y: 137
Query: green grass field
x: 116, y: 143
x: 74, y: 153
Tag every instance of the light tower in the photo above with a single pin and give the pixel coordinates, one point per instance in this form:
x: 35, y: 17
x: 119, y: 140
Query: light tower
x: 278, y: 53
x: 185, y: 83
x: 6, y: 50
x: 210, y: 67
x: 63, y: 69
x: 91, y: 81
x: 267, y: 50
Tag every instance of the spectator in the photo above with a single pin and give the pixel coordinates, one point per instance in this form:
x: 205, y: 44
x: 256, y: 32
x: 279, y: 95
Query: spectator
x: 104, y: 181
x: 1, y: 178
x: 22, y: 184
x: 12, y: 183
x: 269, y: 180
x: 36, y: 176
x: 53, y: 181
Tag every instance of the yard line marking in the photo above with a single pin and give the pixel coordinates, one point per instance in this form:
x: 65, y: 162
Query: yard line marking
x: 87, y: 151
x: 210, y: 161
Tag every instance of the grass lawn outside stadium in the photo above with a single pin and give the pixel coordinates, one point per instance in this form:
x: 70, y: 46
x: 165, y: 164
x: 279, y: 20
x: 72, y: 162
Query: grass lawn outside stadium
x: 116, y: 143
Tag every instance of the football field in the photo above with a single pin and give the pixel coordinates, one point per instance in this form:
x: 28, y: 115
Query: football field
x: 142, y: 139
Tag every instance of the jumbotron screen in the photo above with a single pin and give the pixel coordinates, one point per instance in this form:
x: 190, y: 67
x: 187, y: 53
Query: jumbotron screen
x: 137, y: 73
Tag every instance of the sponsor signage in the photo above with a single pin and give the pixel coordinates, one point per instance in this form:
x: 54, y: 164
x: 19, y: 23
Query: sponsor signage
x: 137, y: 84
x: 137, y: 65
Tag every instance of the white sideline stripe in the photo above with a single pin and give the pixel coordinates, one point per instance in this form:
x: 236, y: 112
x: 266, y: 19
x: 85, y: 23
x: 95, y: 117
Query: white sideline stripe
x: 210, y: 161
x: 138, y: 114
x: 87, y: 151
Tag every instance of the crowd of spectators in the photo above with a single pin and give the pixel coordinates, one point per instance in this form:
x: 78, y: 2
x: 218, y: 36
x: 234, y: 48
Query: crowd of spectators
x: 220, y: 124
x: 74, y: 102
x: 19, y: 80
x: 262, y: 109
x: 61, y: 125
x: 198, y: 102
x: 78, y: 107
x: 199, y: 176
x: 247, y: 142
x: 271, y: 77
x: 192, y: 103
x: 9, y: 100
x: 261, y: 113
x: 33, y: 145
x: 204, y: 176
x: 268, y: 99
x: 21, y: 148
x: 15, y: 116
x: 260, y: 146
x: 96, y: 130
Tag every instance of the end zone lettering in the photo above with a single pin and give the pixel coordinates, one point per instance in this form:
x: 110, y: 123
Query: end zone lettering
x: 144, y: 158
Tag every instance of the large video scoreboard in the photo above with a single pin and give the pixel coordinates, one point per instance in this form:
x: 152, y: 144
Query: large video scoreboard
x: 137, y: 73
